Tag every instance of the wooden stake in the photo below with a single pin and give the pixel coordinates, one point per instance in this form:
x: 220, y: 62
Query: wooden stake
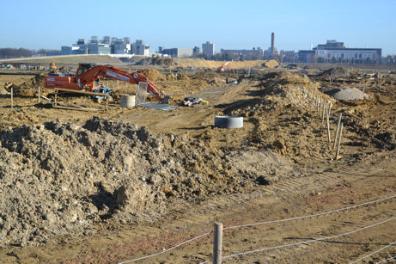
x: 328, y: 126
x: 329, y: 109
x: 12, y: 97
x: 39, y: 94
x: 323, y: 113
x: 337, y: 131
x: 217, y: 243
x: 107, y: 102
x: 339, y: 143
x: 56, y: 98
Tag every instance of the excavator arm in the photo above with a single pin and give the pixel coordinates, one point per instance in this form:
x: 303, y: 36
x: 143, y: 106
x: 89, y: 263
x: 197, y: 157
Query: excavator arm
x: 97, y: 72
x: 87, y: 74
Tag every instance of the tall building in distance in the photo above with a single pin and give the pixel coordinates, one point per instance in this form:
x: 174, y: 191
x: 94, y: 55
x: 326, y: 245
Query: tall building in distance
x: 139, y: 48
x: 208, y: 50
x: 272, y: 44
x: 271, y: 52
x: 107, y: 45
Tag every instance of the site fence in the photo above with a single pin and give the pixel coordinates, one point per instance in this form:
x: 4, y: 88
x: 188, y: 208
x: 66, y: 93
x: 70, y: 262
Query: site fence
x: 305, y: 242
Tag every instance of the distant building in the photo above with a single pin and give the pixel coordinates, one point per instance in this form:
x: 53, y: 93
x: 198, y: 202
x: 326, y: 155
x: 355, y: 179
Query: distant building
x: 331, y: 44
x: 107, y: 45
x: 208, y: 50
x: 80, y: 47
x: 99, y: 48
x: 289, y: 56
x: 106, y: 40
x: 306, y: 56
x: 196, y: 51
x: 178, y: 52
x: 118, y: 46
x: 271, y: 52
x: 66, y: 50
x: 253, y: 54
x: 94, y: 39
x: 139, y: 48
x: 80, y: 42
x: 336, y: 52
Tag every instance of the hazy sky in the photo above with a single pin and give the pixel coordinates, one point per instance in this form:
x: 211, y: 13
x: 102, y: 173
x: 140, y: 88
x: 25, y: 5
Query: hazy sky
x: 185, y: 23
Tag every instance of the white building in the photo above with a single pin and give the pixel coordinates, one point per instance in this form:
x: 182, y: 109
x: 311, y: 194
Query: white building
x: 336, y: 52
x: 208, y: 50
x: 349, y: 55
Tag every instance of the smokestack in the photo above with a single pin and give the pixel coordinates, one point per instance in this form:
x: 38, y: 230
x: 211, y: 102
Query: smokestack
x: 272, y: 43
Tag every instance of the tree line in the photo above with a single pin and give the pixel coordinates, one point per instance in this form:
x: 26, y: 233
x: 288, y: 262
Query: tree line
x: 8, y: 53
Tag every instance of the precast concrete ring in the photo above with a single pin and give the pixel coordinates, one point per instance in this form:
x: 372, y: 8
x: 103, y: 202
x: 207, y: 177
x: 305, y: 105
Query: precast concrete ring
x: 228, y: 122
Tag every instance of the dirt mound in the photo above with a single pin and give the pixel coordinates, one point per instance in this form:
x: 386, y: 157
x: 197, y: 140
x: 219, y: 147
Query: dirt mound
x: 155, y: 60
x: 283, y: 110
x: 271, y: 64
x: 59, y: 178
x: 27, y: 88
x: 153, y: 75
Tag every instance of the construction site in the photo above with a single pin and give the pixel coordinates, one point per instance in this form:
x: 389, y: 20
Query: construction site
x: 110, y: 162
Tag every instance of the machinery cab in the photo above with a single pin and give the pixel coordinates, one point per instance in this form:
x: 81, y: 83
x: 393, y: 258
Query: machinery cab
x: 83, y: 67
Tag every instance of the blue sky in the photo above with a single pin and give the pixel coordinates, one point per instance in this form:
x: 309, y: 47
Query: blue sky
x: 185, y: 23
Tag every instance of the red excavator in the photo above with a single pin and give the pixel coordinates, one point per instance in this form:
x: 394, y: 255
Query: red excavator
x: 87, y: 74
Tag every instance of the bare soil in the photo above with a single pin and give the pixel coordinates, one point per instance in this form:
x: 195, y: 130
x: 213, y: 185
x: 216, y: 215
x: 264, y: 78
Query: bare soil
x: 107, y: 186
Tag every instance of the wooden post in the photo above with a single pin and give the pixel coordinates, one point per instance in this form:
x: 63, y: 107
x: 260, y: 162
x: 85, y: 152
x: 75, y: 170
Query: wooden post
x: 217, y: 243
x: 328, y: 126
x: 12, y: 97
x: 339, y: 142
x: 329, y: 109
x: 56, y: 97
x: 107, y: 102
x: 323, y: 113
x: 39, y: 94
x: 337, y: 131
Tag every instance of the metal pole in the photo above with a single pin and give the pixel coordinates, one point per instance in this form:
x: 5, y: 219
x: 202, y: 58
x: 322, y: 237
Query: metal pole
x: 217, y: 243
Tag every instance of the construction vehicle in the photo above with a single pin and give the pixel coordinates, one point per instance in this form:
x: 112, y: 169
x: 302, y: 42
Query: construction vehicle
x: 88, y: 74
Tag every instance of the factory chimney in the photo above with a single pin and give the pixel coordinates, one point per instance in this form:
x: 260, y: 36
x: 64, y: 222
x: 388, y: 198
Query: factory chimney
x: 272, y: 44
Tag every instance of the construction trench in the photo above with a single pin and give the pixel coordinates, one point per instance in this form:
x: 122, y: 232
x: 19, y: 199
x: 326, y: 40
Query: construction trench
x: 107, y: 185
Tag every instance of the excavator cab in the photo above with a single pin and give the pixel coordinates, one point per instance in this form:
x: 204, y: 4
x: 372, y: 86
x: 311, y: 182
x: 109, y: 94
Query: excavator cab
x: 83, y: 67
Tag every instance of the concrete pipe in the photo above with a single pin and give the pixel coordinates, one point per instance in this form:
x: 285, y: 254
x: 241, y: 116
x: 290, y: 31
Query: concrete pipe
x: 228, y: 122
x: 127, y: 101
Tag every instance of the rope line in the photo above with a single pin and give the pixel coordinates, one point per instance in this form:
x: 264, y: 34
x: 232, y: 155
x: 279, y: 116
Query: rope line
x: 258, y: 223
x: 386, y: 260
x: 373, y: 253
x: 309, y: 241
x: 312, y: 215
x: 166, y: 250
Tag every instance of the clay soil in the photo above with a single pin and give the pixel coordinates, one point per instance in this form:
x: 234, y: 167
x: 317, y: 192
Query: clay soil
x: 279, y: 165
